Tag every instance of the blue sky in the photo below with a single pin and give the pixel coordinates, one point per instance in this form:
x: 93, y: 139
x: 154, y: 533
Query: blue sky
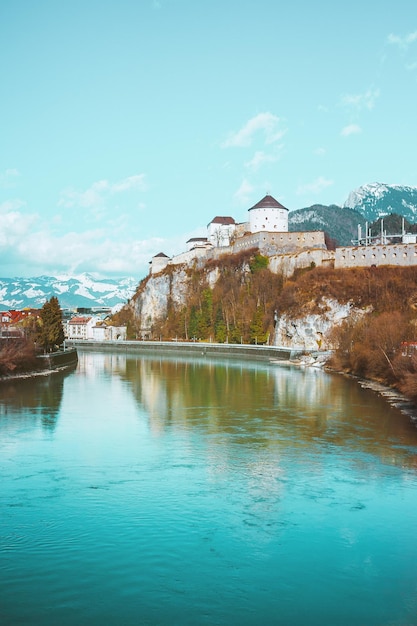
x: 127, y: 126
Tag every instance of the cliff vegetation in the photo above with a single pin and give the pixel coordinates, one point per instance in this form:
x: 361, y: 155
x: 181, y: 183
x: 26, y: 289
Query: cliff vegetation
x: 379, y: 344
x: 235, y: 300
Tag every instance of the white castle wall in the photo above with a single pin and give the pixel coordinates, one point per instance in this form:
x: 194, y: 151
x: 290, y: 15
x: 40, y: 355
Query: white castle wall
x: 287, y: 264
x: 269, y: 244
x: 279, y: 243
x: 367, y: 256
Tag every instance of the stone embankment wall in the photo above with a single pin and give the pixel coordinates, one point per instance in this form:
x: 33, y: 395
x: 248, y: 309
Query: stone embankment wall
x: 197, y: 349
x: 366, y: 256
x: 58, y: 360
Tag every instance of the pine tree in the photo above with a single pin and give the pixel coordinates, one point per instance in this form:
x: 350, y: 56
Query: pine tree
x: 257, y: 332
x: 51, y: 331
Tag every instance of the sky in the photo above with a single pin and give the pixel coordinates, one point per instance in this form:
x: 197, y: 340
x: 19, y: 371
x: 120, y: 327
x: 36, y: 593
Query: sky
x: 127, y: 126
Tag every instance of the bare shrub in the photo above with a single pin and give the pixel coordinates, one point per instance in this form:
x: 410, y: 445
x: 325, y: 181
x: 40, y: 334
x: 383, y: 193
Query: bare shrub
x: 17, y: 356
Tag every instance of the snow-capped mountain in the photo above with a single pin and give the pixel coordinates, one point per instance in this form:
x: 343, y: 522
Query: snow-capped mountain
x: 375, y: 200
x: 82, y: 290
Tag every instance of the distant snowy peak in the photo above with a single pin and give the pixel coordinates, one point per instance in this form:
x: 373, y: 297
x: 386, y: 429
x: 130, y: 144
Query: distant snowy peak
x: 375, y: 200
x: 83, y: 290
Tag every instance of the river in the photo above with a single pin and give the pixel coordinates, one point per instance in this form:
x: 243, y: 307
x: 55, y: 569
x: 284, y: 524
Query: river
x: 196, y: 491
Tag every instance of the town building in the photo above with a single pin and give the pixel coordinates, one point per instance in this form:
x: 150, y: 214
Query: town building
x: 79, y: 327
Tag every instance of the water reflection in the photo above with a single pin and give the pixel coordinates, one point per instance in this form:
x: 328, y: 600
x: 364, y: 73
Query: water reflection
x: 193, y: 491
x: 32, y: 398
x: 261, y: 405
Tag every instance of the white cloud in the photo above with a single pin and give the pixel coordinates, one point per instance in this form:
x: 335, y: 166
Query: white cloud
x: 259, y: 158
x: 316, y: 187
x: 88, y: 251
x: 402, y: 42
x: 14, y: 224
x: 242, y: 195
x: 29, y: 245
x: 11, y: 205
x: 361, y: 101
x: 96, y: 195
x: 8, y: 178
x: 265, y: 123
x: 320, y: 151
x: 351, y: 129
x: 131, y: 182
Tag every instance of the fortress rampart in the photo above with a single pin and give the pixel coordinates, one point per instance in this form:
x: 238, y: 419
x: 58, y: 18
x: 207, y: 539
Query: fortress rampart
x: 401, y: 254
x: 294, y: 250
x: 269, y: 244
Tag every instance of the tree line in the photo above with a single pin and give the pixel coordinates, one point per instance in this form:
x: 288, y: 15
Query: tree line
x: 41, y: 333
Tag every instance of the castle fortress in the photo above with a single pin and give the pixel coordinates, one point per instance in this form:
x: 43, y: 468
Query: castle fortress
x: 267, y: 231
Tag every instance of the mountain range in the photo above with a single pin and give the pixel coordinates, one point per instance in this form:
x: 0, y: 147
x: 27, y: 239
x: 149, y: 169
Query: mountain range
x: 83, y: 290
x: 369, y: 203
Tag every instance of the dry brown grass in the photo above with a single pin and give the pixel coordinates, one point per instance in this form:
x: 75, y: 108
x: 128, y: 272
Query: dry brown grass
x: 382, y: 288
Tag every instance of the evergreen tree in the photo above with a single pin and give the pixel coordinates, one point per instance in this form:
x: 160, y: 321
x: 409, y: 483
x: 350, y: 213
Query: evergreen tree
x: 257, y: 332
x: 206, y: 321
x: 51, y: 331
x: 193, y: 323
x: 220, y: 330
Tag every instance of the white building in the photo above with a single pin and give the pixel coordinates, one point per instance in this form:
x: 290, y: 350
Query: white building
x: 220, y: 231
x: 103, y: 332
x: 198, y: 242
x: 268, y: 215
x: 79, y: 327
x: 159, y: 262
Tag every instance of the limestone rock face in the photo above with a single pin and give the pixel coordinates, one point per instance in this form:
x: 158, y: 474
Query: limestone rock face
x: 313, y: 332
x: 309, y: 331
x: 153, y: 300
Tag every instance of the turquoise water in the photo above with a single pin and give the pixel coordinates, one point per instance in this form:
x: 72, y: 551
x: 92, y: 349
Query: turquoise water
x: 199, y: 492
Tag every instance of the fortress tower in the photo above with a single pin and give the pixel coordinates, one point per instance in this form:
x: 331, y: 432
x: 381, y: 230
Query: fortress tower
x: 268, y: 215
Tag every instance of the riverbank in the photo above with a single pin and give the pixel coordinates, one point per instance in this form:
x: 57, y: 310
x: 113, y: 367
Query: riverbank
x: 197, y: 349
x: 47, y: 364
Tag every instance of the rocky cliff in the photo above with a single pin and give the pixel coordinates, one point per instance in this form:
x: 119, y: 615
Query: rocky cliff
x: 237, y: 299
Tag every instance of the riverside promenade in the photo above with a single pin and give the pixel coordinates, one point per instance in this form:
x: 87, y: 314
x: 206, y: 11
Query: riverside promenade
x: 185, y: 348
